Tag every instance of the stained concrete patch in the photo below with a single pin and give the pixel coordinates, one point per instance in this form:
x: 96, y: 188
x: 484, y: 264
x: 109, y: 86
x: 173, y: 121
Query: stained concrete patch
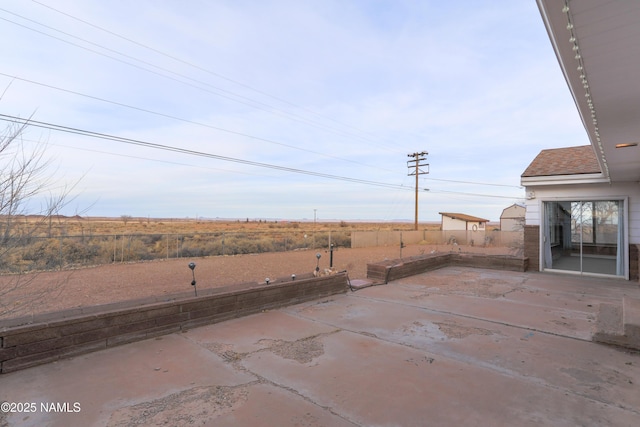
x: 457, y: 331
x: 196, y: 406
x: 583, y: 376
x: 225, y: 351
x: 421, y: 329
x: 302, y: 351
x: 453, y: 281
x: 238, y: 337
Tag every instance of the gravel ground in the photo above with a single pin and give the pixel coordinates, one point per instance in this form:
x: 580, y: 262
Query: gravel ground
x: 53, y: 291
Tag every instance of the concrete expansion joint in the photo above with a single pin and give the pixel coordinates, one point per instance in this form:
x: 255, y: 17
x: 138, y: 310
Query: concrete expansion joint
x: 306, y: 398
x: 279, y: 347
x: 518, y: 288
x: 466, y: 316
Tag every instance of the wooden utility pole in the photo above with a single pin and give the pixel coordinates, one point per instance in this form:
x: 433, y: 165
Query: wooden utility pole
x: 415, y: 166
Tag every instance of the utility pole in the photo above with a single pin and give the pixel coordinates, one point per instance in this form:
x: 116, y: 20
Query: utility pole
x: 415, y: 166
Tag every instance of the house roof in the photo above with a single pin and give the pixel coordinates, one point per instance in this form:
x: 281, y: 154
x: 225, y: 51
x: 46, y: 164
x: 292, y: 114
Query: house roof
x: 463, y: 217
x: 564, y: 161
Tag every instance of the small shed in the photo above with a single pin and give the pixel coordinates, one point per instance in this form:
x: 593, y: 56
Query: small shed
x: 512, y: 218
x: 458, y: 221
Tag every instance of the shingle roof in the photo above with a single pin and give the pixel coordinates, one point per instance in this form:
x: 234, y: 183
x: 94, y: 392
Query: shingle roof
x: 564, y: 161
x: 463, y: 217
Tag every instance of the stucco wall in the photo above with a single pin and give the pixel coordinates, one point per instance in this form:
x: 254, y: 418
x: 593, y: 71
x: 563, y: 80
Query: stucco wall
x: 453, y: 224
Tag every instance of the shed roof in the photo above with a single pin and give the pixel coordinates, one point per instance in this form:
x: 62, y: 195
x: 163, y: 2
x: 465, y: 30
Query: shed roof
x: 564, y: 161
x: 463, y: 217
x: 515, y: 214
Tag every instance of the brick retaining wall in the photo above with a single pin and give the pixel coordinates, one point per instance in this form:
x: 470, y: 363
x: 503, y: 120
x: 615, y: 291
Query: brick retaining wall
x: 532, y: 246
x: 634, y: 262
x: 390, y: 270
x: 69, y: 333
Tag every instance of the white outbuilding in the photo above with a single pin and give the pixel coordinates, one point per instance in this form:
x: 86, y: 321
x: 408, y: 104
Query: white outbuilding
x: 512, y: 218
x: 462, y: 222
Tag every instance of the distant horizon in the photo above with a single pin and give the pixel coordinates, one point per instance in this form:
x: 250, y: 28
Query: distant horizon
x: 242, y: 219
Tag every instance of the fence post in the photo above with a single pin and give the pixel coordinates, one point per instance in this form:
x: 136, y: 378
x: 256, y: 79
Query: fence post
x: 60, y: 252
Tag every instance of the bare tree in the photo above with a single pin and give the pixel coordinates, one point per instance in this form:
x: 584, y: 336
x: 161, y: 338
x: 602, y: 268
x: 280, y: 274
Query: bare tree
x: 28, y: 204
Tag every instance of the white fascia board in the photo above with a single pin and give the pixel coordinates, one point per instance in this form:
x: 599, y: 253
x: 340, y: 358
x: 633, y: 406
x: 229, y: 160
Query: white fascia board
x: 589, y: 178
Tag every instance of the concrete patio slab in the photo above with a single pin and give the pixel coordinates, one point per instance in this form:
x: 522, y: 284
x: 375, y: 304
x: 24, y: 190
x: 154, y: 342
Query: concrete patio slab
x: 455, y: 346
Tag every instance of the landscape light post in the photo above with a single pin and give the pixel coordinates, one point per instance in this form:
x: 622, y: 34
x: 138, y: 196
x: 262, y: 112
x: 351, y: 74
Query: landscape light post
x: 318, y: 255
x: 331, y: 255
x: 416, y: 164
x: 192, y: 266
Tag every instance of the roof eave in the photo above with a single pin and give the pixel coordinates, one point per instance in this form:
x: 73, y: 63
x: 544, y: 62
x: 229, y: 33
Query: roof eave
x: 572, y: 76
x: 587, y: 178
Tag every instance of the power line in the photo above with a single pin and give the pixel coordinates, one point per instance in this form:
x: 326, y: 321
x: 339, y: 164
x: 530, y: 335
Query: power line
x: 77, y: 131
x: 129, y: 156
x: 193, y: 122
x: 138, y: 142
x: 197, y: 67
x: 218, y: 75
x: 214, y: 90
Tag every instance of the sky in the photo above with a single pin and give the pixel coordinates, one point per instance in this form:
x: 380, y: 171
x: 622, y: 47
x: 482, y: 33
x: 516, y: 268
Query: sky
x: 284, y: 109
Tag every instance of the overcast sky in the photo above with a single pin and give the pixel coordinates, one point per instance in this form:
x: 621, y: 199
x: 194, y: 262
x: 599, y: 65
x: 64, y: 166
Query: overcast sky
x: 283, y: 109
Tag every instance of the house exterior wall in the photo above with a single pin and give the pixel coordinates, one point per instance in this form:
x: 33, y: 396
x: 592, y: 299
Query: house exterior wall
x: 536, y: 195
x: 630, y: 191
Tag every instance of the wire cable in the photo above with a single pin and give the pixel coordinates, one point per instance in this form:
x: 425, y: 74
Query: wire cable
x: 191, y: 82
x: 190, y: 64
x: 180, y: 119
x: 77, y: 131
x: 138, y: 142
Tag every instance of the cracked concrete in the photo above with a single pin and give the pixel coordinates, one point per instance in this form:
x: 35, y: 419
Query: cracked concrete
x: 507, y: 348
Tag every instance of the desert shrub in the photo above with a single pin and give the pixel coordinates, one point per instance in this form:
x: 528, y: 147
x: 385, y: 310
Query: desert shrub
x: 341, y: 239
x: 43, y: 254
x: 76, y: 252
x: 244, y: 244
x: 136, y: 250
x: 61, y: 252
x: 46, y: 254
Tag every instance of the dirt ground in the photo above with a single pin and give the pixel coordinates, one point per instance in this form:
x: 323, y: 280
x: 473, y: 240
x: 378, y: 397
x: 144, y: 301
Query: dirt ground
x: 54, y: 291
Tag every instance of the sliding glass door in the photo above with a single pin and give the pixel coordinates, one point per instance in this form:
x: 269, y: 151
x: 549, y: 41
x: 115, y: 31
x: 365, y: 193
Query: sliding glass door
x: 585, y: 236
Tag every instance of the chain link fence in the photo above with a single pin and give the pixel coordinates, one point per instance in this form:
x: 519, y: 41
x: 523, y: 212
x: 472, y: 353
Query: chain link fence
x: 67, y: 252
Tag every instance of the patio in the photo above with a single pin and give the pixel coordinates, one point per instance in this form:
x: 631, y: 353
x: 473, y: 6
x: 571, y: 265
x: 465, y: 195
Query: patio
x: 454, y: 346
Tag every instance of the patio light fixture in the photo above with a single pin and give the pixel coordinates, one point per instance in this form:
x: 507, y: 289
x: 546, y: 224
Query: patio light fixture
x: 192, y: 266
